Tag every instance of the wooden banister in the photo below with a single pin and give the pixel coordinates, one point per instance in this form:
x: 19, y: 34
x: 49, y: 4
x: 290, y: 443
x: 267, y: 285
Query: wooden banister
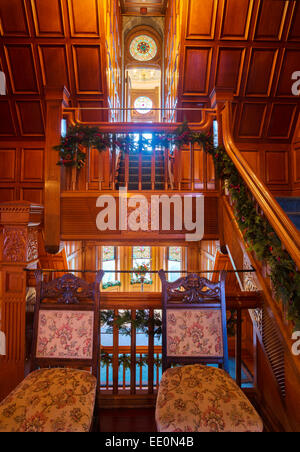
x: 282, y: 225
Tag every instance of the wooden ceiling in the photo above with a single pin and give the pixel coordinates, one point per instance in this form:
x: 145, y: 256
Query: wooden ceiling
x: 135, y: 7
x: 53, y: 43
x: 251, y: 47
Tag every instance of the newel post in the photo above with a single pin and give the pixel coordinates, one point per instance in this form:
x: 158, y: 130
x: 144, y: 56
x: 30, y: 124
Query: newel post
x: 218, y: 98
x: 19, y: 222
x: 56, y: 100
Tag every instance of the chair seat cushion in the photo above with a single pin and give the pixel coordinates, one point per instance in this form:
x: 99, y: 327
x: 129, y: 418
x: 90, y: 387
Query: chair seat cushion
x: 198, y: 398
x: 50, y: 400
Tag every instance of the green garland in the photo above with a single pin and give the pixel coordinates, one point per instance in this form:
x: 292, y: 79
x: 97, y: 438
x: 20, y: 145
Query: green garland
x: 261, y: 237
x: 138, y: 281
x: 109, y: 284
x: 106, y: 359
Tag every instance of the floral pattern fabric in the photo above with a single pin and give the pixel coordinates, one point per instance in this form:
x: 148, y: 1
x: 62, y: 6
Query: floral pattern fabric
x: 50, y: 400
x: 194, y: 332
x: 198, y: 398
x: 65, y: 334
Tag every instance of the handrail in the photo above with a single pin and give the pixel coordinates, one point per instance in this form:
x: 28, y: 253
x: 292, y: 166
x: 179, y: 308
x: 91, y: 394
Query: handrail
x: 282, y: 225
x: 135, y: 127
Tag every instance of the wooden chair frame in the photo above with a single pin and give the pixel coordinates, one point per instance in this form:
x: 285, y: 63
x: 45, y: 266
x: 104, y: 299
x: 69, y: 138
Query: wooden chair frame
x: 72, y: 294
x: 194, y: 297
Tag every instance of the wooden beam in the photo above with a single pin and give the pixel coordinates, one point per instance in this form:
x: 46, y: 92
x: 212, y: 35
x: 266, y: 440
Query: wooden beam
x: 56, y: 99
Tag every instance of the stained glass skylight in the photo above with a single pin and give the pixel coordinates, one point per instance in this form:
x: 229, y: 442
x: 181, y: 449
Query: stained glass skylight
x: 143, y: 48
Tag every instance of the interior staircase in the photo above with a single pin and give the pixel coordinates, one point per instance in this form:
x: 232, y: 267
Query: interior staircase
x: 146, y: 171
x: 291, y: 206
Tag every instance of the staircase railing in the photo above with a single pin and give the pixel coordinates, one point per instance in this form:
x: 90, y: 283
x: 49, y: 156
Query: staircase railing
x: 281, y: 224
x: 274, y: 311
x: 102, y: 169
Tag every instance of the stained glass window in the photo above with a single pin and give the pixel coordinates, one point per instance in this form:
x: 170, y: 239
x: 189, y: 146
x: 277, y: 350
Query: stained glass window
x: 143, y: 105
x: 141, y: 255
x: 174, y: 262
x: 143, y: 48
x: 108, y: 263
x: 175, y: 253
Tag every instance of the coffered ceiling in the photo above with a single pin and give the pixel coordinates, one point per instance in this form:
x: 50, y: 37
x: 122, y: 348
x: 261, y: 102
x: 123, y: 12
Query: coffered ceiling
x: 249, y: 46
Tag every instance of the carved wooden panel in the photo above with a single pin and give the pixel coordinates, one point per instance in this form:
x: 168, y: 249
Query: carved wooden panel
x: 202, y: 19
x: 197, y: 61
x: 267, y: 29
x: 232, y: 28
x: 84, y: 18
x: 22, y: 69
x: 230, y: 65
x: 276, y: 167
x: 261, y: 72
x: 87, y: 66
x: 48, y: 18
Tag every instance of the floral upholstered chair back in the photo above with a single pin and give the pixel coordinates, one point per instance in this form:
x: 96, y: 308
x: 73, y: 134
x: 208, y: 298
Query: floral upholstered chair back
x: 194, y: 321
x: 66, y: 325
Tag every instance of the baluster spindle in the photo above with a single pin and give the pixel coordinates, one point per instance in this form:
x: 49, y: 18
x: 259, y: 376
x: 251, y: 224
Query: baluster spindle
x: 133, y: 355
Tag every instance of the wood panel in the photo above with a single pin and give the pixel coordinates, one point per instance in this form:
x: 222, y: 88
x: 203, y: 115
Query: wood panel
x: 267, y: 29
x: 201, y: 19
x: 7, y: 123
x: 230, y: 63
x: 8, y: 165
x: 252, y: 120
x: 261, y: 70
x: 32, y: 165
x: 199, y: 60
x: 79, y: 215
x: 48, y: 18
x: 290, y: 64
x: 84, y: 18
x: 54, y: 65
x: 14, y: 18
x: 294, y: 33
x: 281, y: 120
x: 232, y: 28
x: 18, y: 57
x: 87, y: 67
x: 276, y: 167
x: 30, y: 116
x: 22, y: 172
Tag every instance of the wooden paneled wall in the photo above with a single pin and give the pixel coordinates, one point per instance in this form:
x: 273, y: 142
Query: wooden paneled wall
x: 22, y: 171
x: 49, y: 44
x: 252, y: 48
